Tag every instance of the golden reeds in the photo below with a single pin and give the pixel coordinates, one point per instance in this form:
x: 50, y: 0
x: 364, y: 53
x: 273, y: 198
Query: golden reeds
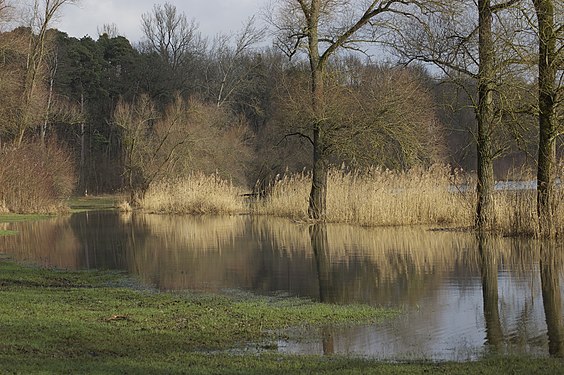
x: 196, y: 194
x: 375, y: 196
x: 436, y: 196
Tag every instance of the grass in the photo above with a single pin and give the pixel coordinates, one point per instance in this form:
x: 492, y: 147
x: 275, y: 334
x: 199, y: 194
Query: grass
x: 14, y: 218
x: 6, y: 218
x: 89, y: 203
x: 7, y: 232
x: 102, y: 322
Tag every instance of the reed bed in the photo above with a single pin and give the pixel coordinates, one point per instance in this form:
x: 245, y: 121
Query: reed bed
x: 376, y: 197
x: 516, y: 213
x: 196, y: 194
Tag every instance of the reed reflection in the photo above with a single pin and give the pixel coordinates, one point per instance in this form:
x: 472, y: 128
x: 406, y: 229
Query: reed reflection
x: 550, y: 273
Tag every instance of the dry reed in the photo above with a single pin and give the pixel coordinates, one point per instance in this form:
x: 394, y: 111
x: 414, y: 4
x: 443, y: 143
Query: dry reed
x: 196, y: 194
x: 375, y: 197
x: 516, y: 210
x: 419, y: 196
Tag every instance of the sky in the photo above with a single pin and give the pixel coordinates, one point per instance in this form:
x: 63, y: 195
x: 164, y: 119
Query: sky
x: 212, y: 16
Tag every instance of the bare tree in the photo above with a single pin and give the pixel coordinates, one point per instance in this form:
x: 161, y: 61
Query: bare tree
x: 44, y: 12
x: 170, y: 34
x: 5, y: 11
x: 321, y: 28
x: 187, y: 136
x: 466, y: 49
x: 110, y: 29
x: 367, y: 121
x: 228, y: 53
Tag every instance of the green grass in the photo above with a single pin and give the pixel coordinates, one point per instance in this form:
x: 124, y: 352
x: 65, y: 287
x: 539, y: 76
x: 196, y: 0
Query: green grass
x: 89, y: 203
x: 105, y: 323
x: 14, y: 218
x: 7, y: 232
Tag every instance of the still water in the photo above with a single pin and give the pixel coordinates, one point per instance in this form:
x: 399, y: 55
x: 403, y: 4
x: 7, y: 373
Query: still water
x: 461, y: 296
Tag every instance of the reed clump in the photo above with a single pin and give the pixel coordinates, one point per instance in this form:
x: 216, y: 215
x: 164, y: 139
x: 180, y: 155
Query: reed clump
x: 195, y: 194
x: 377, y: 197
x: 516, y: 210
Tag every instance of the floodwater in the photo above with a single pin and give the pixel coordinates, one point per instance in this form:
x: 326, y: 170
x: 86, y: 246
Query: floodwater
x: 461, y: 296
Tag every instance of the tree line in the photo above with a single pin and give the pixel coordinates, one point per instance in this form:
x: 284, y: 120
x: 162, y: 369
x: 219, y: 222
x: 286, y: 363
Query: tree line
x: 471, y: 82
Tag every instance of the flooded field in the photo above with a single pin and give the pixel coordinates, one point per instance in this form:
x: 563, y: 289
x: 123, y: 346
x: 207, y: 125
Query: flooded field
x: 461, y: 296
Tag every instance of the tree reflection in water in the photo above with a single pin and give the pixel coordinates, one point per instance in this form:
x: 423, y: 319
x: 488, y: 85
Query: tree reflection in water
x: 550, y: 272
x: 320, y: 247
x: 489, y: 271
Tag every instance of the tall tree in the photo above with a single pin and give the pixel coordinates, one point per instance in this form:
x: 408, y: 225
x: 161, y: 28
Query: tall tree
x: 178, y: 43
x: 43, y: 14
x: 321, y: 28
x: 228, y: 72
x: 485, y: 114
x: 548, y: 64
x: 465, y: 49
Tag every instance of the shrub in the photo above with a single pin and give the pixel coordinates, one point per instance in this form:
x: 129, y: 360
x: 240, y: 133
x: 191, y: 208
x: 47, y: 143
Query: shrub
x: 35, y: 178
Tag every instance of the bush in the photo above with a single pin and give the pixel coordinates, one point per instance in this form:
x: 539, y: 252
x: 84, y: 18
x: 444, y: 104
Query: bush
x: 35, y: 178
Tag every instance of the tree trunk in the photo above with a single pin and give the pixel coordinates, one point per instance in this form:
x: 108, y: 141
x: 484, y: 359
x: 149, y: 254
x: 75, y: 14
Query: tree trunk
x: 485, y: 117
x: 318, y: 195
x: 546, y: 172
x: 83, y: 186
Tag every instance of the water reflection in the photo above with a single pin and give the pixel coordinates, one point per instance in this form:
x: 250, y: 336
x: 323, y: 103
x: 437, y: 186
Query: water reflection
x: 462, y: 295
x: 489, y: 270
x: 550, y: 267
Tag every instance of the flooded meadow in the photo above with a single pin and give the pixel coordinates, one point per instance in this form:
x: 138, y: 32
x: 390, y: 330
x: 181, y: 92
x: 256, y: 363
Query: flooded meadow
x: 461, y: 296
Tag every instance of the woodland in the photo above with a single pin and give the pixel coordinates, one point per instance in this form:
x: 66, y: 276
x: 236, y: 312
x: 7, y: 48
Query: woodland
x: 303, y: 87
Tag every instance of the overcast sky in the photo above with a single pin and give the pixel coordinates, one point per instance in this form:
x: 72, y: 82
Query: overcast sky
x: 212, y: 16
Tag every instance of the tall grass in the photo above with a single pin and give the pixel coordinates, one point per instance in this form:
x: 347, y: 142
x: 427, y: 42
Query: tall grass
x: 516, y: 211
x: 435, y: 196
x: 195, y: 194
x: 376, y: 196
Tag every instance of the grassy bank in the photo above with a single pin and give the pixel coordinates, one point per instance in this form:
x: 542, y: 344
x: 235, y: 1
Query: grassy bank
x: 94, y: 322
x: 88, y: 203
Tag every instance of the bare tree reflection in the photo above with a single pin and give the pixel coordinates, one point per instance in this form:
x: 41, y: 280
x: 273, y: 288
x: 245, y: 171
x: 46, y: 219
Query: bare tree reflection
x: 320, y: 246
x: 550, y: 267
x: 489, y: 272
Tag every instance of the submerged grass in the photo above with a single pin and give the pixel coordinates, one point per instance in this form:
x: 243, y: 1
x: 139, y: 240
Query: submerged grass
x: 94, y: 322
x: 7, y: 232
x: 14, y: 218
x: 58, y: 316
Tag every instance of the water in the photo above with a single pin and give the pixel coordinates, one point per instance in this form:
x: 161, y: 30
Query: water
x: 461, y: 297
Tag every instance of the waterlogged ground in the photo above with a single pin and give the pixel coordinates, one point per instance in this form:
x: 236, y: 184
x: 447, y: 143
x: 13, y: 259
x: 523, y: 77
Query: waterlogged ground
x: 461, y: 297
